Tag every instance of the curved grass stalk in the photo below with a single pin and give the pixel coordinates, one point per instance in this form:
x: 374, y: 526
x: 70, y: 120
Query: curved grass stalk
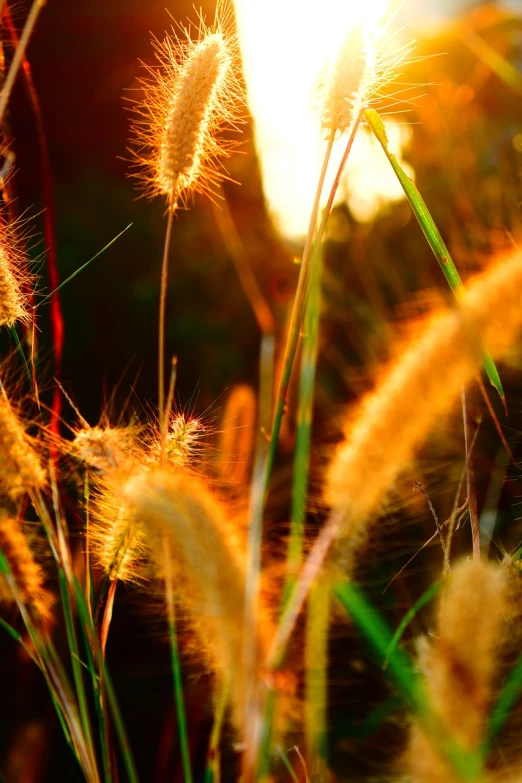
x: 176, y: 668
x: 432, y: 234
x: 19, y: 54
x: 163, y: 419
x: 260, y: 483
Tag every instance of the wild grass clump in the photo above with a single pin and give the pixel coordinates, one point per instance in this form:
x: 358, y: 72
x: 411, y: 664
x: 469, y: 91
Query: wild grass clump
x: 145, y: 506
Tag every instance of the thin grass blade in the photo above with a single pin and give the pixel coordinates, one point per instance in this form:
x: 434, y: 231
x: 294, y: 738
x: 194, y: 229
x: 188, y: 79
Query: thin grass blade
x: 430, y: 231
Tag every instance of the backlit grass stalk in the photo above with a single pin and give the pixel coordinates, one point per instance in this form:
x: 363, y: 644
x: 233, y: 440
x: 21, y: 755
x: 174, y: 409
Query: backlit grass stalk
x: 18, y: 56
x: 263, y: 470
x: 309, y: 351
x: 176, y: 666
x: 316, y: 673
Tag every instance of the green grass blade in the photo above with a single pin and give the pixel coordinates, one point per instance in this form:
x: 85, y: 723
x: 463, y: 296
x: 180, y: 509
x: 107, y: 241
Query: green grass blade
x: 425, y: 598
x: 76, y: 665
x: 376, y: 632
x: 83, y: 266
x: 286, y: 761
x: 178, y: 684
x: 505, y: 703
x: 22, y: 356
x: 406, y: 679
x: 429, y: 229
x: 97, y: 686
x: 310, y: 345
x: 316, y: 673
x: 128, y: 760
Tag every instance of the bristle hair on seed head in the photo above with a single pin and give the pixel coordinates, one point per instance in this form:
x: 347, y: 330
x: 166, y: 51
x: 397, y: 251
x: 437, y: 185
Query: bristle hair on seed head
x: 185, y: 441
x: 27, y: 574
x: 366, y: 61
x: 117, y: 539
x: 460, y: 665
x: 14, y: 278
x: 422, y: 384
x: 20, y: 468
x: 102, y: 448
x: 187, y: 99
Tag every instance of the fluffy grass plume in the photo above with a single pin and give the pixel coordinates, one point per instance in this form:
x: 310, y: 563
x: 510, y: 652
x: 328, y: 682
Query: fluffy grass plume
x: 185, y: 443
x: 422, y: 383
x: 208, y: 554
x: 26, y: 573
x: 189, y: 96
x: 117, y: 538
x: 102, y: 448
x: 20, y: 468
x: 460, y: 664
x: 238, y: 435
x: 13, y: 278
x: 365, y: 63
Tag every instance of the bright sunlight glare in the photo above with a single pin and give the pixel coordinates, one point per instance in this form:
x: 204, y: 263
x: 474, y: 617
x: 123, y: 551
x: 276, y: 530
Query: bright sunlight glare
x: 285, y: 45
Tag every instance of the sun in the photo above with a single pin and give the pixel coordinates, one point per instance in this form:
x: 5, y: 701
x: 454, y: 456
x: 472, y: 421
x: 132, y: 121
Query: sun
x: 282, y: 63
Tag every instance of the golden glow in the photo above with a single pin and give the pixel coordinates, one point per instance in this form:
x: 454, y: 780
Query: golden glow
x: 285, y: 45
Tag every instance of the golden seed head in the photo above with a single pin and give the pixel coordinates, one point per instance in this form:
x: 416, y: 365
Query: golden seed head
x: 191, y: 107
x: 189, y: 97
x: 26, y: 573
x: 102, y: 448
x: 13, y: 299
x: 185, y: 440
x: 207, y: 560
x: 460, y: 666
x: 381, y: 439
x: 365, y: 63
x: 117, y: 537
x: 20, y: 468
x: 340, y: 90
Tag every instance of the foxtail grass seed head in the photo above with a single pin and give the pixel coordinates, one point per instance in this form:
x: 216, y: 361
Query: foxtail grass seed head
x: 366, y: 62
x: 208, y: 566
x: 102, y: 448
x: 460, y: 664
x: 20, y: 468
x: 189, y: 97
x: 13, y: 278
x: 185, y: 440
x: 117, y: 537
x: 25, y: 571
x: 422, y: 384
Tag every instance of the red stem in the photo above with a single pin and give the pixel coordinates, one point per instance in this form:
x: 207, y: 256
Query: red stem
x: 48, y: 216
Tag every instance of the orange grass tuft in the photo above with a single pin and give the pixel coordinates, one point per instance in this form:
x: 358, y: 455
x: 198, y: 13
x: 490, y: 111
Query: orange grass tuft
x: 190, y: 96
x: 20, y: 468
x: 460, y: 665
x: 27, y: 574
x: 422, y: 384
